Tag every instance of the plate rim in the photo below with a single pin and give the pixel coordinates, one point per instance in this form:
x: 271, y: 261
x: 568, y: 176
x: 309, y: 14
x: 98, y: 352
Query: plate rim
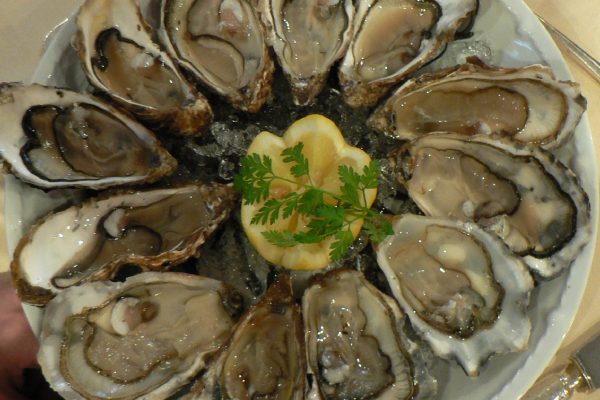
x: 539, y: 356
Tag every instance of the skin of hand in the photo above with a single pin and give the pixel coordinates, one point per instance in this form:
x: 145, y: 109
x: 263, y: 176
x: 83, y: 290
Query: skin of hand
x: 18, y: 345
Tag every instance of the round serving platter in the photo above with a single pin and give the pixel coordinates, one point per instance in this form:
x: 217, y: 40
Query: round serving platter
x: 506, y: 33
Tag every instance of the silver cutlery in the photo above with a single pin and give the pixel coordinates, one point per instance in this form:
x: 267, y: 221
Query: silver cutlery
x: 591, y: 65
x: 581, y: 374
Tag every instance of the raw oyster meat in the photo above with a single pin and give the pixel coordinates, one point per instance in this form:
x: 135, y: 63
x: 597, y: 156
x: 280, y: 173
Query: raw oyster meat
x: 120, y: 59
x: 265, y: 357
x: 141, y: 339
x: 526, y: 104
x: 151, y: 229
x: 521, y: 193
x: 464, y: 291
x: 222, y: 44
x: 54, y: 138
x: 308, y: 36
x: 354, y: 342
x: 392, y: 39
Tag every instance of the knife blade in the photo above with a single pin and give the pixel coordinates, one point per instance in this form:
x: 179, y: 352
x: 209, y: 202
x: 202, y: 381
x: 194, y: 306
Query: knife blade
x: 589, y: 63
x: 588, y: 360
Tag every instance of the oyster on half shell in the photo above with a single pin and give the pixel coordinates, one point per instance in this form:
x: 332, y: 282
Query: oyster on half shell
x: 120, y: 59
x: 526, y: 104
x: 521, y: 193
x: 463, y: 290
x: 56, y: 138
x: 141, y: 339
x: 265, y: 357
x: 394, y: 38
x: 355, y: 345
x: 152, y: 229
x: 222, y: 44
x: 308, y: 36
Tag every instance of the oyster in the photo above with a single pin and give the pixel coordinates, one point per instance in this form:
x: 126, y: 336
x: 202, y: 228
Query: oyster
x: 141, y: 339
x: 392, y: 39
x: 464, y: 291
x: 308, y: 37
x: 221, y: 43
x: 121, y: 60
x: 521, y: 193
x: 527, y: 104
x: 265, y: 357
x: 152, y: 229
x: 354, y: 344
x: 54, y: 138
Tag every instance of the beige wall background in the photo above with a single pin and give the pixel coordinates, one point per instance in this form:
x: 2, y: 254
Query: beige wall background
x: 578, y: 19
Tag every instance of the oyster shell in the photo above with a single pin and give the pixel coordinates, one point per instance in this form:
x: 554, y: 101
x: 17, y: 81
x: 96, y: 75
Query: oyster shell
x: 152, y: 229
x: 121, y: 60
x: 308, y: 37
x: 354, y: 344
x: 265, y: 357
x: 526, y: 104
x: 392, y: 39
x: 221, y: 43
x: 521, y: 193
x: 464, y: 291
x: 141, y: 339
x: 54, y: 138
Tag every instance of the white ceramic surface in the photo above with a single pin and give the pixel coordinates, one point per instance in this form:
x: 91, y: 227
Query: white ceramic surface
x: 507, y: 34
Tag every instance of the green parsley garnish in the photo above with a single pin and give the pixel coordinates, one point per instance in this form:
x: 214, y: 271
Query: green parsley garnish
x: 330, y: 214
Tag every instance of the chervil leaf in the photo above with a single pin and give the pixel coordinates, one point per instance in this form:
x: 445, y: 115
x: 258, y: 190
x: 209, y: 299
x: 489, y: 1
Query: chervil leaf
x: 269, y: 212
x: 377, y: 227
x: 293, y: 155
x: 291, y: 204
x: 309, y: 201
x: 308, y: 237
x: 336, y: 215
x: 289, y: 209
x: 326, y: 222
x: 325, y: 219
x: 350, y: 181
x: 370, y: 177
x: 339, y: 247
x: 255, y: 177
x: 348, y: 175
x: 280, y: 238
x: 239, y: 183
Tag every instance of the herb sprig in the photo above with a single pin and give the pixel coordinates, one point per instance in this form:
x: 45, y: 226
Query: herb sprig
x: 329, y: 214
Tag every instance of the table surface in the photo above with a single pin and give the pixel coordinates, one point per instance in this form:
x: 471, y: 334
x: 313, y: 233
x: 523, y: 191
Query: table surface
x: 578, y: 19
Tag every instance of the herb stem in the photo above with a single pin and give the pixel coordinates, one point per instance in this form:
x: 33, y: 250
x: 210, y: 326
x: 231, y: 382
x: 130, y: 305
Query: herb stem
x: 325, y: 219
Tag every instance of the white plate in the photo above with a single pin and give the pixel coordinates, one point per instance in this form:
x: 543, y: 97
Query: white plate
x: 514, y: 37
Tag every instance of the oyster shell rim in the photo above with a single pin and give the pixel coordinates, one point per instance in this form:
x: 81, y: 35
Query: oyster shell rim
x: 458, y: 348
x: 367, y: 94
x: 190, y: 119
x: 304, y: 90
x: 109, y: 289
x: 39, y: 296
x: 550, y: 265
x: 396, y: 317
x: 569, y: 300
x: 260, y: 85
x: 382, y: 117
x: 168, y: 162
x: 280, y: 288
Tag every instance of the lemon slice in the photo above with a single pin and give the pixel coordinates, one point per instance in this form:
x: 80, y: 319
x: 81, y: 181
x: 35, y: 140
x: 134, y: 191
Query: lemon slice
x: 325, y: 149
